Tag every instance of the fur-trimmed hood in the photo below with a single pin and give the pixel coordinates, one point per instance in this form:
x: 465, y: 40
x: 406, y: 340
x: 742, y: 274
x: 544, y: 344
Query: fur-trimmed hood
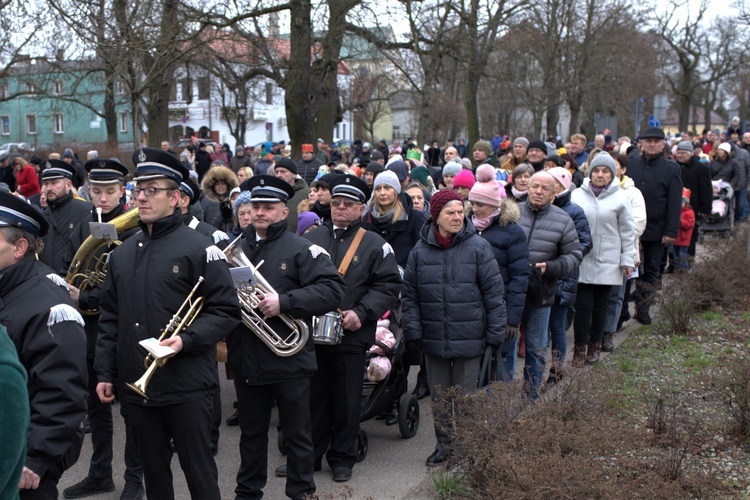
x: 509, y: 212
x: 216, y: 174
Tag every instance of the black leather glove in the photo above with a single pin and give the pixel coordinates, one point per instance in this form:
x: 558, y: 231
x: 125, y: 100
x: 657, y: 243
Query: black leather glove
x: 226, y: 210
x: 412, y: 345
x: 512, y: 333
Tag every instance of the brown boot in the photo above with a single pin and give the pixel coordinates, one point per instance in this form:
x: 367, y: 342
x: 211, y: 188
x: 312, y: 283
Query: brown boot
x: 608, y: 342
x: 579, y: 354
x: 595, y: 350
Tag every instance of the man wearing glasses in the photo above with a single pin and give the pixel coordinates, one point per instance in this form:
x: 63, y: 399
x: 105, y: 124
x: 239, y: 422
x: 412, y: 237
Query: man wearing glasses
x: 372, y: 287
x: 149, y: 277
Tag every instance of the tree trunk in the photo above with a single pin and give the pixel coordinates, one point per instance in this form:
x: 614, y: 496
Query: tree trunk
x: 300, y: 102
x: 110, y: 111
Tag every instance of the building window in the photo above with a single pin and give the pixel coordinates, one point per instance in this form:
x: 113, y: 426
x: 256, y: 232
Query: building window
x: 269, y: 93
x: 122, y: 121
x: 4, y: 91
x: 30, y: 89
x: 58, y: 87
x: 31, y: 124
x: 204, y: 88
x: 58, y: 123
x: 5, y: 125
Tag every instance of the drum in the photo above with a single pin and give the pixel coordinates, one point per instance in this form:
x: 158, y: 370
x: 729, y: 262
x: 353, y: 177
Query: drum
x: 327, y: 329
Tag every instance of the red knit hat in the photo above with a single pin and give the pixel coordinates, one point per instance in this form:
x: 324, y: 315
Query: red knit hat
x: 440, y: 199
x: 307, y: 148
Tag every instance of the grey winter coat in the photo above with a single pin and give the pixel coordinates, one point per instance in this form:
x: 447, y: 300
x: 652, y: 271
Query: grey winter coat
x: 453, y: 298
x: 552, y: 238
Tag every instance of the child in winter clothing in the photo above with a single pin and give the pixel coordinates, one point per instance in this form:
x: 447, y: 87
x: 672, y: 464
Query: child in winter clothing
x: 687, y: 224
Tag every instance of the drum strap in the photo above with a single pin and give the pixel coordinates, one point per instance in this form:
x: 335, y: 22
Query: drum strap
x: 352, y: 250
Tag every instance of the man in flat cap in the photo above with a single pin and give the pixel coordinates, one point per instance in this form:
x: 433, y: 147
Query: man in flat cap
x: 106, y: 188
x: 305, y: 284
x: 47, y: 331
x: 63, y: 213
x: 150, y: 276
x: 660, y: 182
x: 368, y: 266
x: 286, y: 170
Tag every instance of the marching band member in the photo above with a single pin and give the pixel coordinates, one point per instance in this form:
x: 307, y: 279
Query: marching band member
x: 106, y: 190
x: 372, y: 286
x: 48, y: 334
x: 306, y: 284
x: 63, y: 212
x: 149, y: 277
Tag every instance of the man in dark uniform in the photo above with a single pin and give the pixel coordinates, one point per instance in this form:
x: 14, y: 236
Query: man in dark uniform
x: 306, y: 284
x: 189, y: 192
x: 150, y: 276
x: 106, y: 189
x: 372, y: 286
x: 63, y: 213
x: 48, y: 334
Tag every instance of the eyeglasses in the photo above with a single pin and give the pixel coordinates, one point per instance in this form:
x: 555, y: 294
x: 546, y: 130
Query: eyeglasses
x: 346, y: 203
x: 148, y: 191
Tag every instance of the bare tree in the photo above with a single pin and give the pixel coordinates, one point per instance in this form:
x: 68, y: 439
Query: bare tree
x: 688, y: 40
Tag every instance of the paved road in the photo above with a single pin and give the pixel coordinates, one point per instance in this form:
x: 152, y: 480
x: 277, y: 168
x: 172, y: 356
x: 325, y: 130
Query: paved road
x: 394, y: 467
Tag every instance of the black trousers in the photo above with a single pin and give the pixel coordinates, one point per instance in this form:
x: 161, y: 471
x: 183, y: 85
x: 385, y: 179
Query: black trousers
x: 189, y: 424
x: 216, y: 416
x: 100, y: 419
x: 653, y: 251
x: 591, y: 313
x: 336, y: 406
x: 254, y: 411
x: 133, y: 465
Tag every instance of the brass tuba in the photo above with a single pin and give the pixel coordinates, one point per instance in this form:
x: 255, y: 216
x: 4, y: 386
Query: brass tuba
x: 89, y: 265
x: 181, y: 320
x: 298, y: 334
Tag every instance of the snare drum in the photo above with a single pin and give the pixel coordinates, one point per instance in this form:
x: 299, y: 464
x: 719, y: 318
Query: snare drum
x: 327, y: 329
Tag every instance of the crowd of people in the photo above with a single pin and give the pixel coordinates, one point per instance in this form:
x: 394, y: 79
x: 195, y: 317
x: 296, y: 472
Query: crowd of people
x: 496, y: 248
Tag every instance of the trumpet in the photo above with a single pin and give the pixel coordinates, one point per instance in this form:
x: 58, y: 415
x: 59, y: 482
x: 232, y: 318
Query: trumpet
x: 250, y: 297
x: 181, y: 320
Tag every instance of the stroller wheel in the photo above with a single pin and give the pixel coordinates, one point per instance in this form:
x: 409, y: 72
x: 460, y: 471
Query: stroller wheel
x: 362, y: 445
x: 281, y: 443
x: 408, y: 416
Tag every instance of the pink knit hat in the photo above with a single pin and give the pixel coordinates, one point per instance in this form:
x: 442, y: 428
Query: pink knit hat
x: 562, y: 176
x: 486, y: 190
x: 464, y: 179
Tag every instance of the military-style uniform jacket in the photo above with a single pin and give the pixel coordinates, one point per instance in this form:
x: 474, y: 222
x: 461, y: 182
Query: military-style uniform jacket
x: 150, y: 275
x: 47, y: 330
x: 63, y: 216
x: 89, y: 299
x: 217, y: 236
x: 372, y: 281
x: 308, y: 285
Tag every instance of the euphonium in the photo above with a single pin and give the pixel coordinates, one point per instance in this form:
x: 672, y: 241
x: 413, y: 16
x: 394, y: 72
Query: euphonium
x: 250, y: 297
x: 89, y: 265
x: 177, y: 325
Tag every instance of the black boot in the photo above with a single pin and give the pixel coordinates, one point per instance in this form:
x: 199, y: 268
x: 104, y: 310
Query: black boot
x: 233, y: 419
x: 88, y: 487
x: 421, y: 391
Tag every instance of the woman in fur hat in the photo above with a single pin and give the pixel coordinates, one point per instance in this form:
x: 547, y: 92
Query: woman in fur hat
x: 217, y: 184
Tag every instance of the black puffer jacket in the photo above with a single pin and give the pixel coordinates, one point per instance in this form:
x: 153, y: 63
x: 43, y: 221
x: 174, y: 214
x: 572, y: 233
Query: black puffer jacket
x: 660, y: 182
x: 567, y: 286
x: 552, y: 238
x: 308, y: 285
x: 730, y: 171
x: 453, y: 298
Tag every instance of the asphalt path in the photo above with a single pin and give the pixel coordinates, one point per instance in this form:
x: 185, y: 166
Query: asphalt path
x: 393, y: 469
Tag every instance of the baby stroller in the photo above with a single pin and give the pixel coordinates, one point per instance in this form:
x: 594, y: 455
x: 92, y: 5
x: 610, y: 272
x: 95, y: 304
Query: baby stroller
x: 381, y: 396
x: 721, y: 220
